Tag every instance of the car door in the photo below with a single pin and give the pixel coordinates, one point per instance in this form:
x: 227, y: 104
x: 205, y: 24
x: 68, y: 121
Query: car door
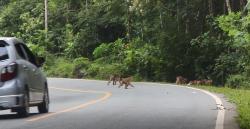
x: 25, y: 69
x: 37, y: 84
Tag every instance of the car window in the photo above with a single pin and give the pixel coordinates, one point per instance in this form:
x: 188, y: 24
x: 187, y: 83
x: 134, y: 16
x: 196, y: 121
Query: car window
x: 20, y: 51
x: 30, y: 55
x: 3, y: 51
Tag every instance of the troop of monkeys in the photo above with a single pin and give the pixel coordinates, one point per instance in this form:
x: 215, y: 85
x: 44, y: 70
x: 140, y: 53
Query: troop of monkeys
x: 181, y: 80
x: 122, y: 81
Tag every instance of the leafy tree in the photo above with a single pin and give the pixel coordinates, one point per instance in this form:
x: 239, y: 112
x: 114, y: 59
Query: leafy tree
x: 151, y: 39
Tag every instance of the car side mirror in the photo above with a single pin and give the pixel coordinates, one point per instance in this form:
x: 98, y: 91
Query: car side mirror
x: 40, y: 61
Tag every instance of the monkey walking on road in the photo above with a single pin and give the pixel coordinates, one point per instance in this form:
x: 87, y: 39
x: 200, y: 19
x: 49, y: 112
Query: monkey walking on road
x: 126, y: 82
x: 113, y: 79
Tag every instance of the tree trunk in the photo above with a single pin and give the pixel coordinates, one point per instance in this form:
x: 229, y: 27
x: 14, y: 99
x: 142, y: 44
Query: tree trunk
x: 177, y: 15
x: 86, y: 4
x: 161, y: 21
x: 46, y: 16
x: 243, y: 3
x: 128, y: 20
x: 211, y: 8
x: 229, y: 9
x: 187, y: 18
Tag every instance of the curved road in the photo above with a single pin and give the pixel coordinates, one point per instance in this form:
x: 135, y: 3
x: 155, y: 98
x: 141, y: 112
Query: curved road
x: 87, y: 104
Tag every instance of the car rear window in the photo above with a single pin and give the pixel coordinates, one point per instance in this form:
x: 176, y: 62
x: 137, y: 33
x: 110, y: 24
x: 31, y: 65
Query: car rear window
x: 3, y: 51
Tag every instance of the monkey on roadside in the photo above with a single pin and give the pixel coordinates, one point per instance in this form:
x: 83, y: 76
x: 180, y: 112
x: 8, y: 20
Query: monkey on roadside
x: 180, y: 80
x: 201, y: 82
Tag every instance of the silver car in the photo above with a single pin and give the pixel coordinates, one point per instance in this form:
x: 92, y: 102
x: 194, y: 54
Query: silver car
x: 22, y: 84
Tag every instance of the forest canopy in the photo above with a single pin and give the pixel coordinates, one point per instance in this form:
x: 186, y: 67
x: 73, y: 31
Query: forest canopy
x: 153, y: 40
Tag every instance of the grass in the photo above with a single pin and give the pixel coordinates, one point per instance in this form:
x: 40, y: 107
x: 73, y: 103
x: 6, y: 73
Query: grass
x: 238, y: 96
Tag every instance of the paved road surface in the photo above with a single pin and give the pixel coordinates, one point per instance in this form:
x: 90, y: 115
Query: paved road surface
x: 86, y: 104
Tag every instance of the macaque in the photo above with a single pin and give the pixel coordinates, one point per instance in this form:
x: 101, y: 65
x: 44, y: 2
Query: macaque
x: 201, y: 82
x: 114, y: 79
x: 126, y: 82
x: 180, y: 80
x: 208, y: 82
x: 194, y: 82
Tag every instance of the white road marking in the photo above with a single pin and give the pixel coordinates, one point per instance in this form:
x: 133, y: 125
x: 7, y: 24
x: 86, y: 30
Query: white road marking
x: 220, y: 107
x: 219, y: 104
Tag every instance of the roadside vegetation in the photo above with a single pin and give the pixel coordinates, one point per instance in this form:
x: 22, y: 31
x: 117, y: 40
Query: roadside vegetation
x: 152, y: 40
x: 238, y: 96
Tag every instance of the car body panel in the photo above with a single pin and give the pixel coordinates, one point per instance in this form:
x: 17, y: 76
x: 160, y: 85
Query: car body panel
x: 29, y: 77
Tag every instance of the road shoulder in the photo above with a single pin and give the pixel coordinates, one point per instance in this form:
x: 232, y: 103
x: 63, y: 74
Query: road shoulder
x: 231, y: 115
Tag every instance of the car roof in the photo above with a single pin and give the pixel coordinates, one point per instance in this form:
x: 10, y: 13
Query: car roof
x: 11, y: 40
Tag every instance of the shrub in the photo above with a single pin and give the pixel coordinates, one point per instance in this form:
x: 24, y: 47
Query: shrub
x: 93, y: 70
x: 237, y: 81
x: 61, y: 68
x: 102, y: 51
x: 111, y: 52
x: 103, y: 71
x: 80, y: 66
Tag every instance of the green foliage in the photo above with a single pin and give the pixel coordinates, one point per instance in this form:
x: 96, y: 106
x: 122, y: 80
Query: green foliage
x: 81, y: 62
x: 24, y: 19
x: 230, y: 23
x: 137, y: 58
x: 61, y: 68
x: 237, y: 28
x: 237, y: 81
x: 94, y: 70
x: 225, y: 65
x: 103, y: 71
x: 205, y: 60
x: 80, y: 67
x: 153, y: 40
x: 143, y: 60
x: 112, y: 52
x: 102, y: 51
x: 70, y: 41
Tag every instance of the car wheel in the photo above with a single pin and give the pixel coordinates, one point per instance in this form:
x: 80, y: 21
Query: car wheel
x: 44, y: 106
x: 25, y: 110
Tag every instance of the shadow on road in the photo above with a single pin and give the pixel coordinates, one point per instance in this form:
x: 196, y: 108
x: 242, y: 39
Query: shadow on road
x: 15, y: 116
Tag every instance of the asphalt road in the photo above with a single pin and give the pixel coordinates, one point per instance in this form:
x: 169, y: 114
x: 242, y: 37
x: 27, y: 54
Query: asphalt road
x: 87, y: 104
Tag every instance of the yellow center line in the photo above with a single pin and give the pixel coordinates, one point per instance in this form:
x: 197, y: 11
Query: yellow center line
x: 103, y: 98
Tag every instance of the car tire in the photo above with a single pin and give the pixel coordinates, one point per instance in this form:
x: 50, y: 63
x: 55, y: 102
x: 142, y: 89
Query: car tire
x: 25, y: 110
x: 44, y: 106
